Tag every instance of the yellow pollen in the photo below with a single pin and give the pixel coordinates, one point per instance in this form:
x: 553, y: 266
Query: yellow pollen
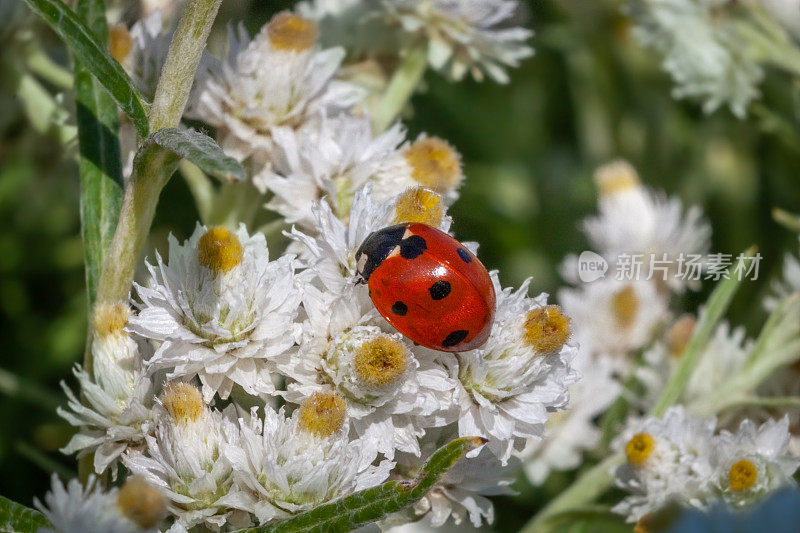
x: 380, y: 361
x: 119, y: 42
x: 617, y: 176
x: 639, y: 448
x: 110, y: 318
x: 624, y: 306
x: 419, y: 205
x: 141, y: 502
x: 546, y: 329
x: 434, y: 164
x: 219, y: 250
x: 743, y: 475
x: 291, y: 32
x: 679, y: 334
x: 183, y: 402
x: 643, y: 524
x: 322, y: 414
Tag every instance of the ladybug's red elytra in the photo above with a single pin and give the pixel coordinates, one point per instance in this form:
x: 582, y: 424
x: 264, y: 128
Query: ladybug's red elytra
x: 428, y: 286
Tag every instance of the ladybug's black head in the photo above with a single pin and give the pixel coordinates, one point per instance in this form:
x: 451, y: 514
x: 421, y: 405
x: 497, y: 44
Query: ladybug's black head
x: 377, y: 247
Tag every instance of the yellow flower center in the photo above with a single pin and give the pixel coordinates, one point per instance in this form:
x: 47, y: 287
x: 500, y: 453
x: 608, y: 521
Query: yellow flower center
x: 380, y: 361
x: 419, y: 205
x: 119, y: 42
x: 322, y: 414
x: 110, y: 318
x: 616, y: 177
x: 679, y: 334
x: 183, y: 402
x: 141, y: 502
x: 546, y: 329
x: 434, y: 164
x: 743, y: 475
x: 219, y: 250
x: 639, y: 448
x: 291, y: 33
x: 624, y: 306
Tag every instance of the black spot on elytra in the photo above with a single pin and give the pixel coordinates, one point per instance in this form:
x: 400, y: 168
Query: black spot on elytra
x: 399, y: 308
x: 440, y: 289
x: 454, y: 338
x: 412, y: 247
x: 464, y: 255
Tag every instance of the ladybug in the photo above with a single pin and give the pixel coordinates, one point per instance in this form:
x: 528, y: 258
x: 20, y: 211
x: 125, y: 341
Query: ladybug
x: 428, y: 286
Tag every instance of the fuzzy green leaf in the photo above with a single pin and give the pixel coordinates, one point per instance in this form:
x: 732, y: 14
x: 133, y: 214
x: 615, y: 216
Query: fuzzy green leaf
x: 16, y: 518
x: 199, y: 149
x: 90, y: 50
x: 363, y: 507
x: 100, y: 159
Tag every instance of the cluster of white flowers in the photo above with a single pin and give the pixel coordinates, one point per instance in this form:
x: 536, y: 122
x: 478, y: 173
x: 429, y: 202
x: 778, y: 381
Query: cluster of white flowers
x: 680, y: 459
x: 220, y: 322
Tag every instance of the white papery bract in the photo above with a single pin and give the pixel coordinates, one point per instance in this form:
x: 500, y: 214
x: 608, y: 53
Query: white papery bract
x: 75, y: 509
x: 115, y: 413
x: 281, y: 469
x: 463, y: 36
x: 333, y: 157
x: 752, y: 462
x: 667, y: 461
x: 508, y: 386
x: 224, y: 320
x: 702, y: 51
x: 150, y: 40
x: 262, y: 85
x: 392, y: 391
x: 787, y: 285
x: 184, y: 458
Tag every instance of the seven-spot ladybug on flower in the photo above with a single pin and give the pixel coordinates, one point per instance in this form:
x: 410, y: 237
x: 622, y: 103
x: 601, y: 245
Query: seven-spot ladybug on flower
x: 428, y: 286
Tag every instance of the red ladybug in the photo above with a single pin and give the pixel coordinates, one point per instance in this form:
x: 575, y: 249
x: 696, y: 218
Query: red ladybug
x: 428, y: 286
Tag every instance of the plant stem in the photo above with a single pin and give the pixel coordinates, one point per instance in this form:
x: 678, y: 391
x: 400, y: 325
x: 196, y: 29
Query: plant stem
x: 201, y: 188
x: 41, y: 65
x: 402, y: 85
x: 154, y: 165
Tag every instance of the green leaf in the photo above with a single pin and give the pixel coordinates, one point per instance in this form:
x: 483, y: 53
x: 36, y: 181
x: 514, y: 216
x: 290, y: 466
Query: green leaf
x: 199, y: 149
x: 16, y: 518
x: 92, y: 52
x: 363, y: 507
x: 100, y: 159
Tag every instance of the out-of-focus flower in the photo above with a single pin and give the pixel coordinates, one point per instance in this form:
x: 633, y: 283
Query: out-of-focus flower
x: 136, y: 507
x: 279, y: 78
x: 462, y: 37
x: 184, y: 458
x: 702, y: 51
x: 287, y: 465
x: 221, y: 310
x: 508, y: 386
x: 116, y: 414
x: 788, y: 284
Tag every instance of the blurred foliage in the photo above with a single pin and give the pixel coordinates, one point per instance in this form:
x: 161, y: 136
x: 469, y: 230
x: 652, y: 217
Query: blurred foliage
x: 589, y: 95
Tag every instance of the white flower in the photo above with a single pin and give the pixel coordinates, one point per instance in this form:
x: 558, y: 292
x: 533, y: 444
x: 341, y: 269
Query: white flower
x: 752, y: 462
x: 667, y: 460
x: 636, y: 221
x: 702, y: 51
x: 463, y: 36
x: 392, y: 391
x: 116, y: 414
x: 461, y: 493
x: 614, y: 318
x: 135, y: 508
x: 568, y: 434
x: 221, y: 310
x: 788, y: 285
x: 150, y: 39
x: 278, y: 78
x: 508, y: 386
x: 184, y: 458
x: 285, y: 465
x: 332, y: 158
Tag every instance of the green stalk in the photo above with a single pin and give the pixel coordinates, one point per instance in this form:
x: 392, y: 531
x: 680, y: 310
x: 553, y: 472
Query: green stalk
x: 155, y: 165
x: 401, y: 87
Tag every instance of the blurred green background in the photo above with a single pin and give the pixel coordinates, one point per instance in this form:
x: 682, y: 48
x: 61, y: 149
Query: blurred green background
x: 589, y: 94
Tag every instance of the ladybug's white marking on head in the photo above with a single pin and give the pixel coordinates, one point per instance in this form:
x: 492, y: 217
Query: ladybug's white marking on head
x: 407, y: 233
x: 395, y: 252
x: 362, y: 261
